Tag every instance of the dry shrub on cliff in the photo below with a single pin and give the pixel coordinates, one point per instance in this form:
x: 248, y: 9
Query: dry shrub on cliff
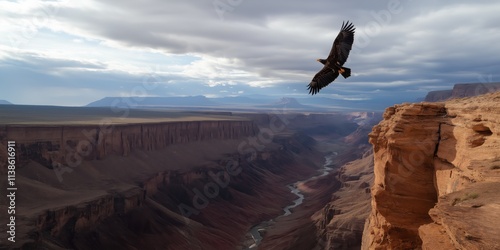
x: 468, y: 196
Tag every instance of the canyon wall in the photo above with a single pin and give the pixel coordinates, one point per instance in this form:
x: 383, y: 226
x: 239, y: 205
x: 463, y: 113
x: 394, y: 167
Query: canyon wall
x: 181, y: 185
x: 438, y: 95
x: 437, y: 176
x: 207, y: 207
x: 66, y: 144
x: 340, y: 223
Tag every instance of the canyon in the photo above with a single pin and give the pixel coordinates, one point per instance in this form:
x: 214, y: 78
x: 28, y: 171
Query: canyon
x: 169, y: 181
x: 437, y: 176
x: 419, y: 176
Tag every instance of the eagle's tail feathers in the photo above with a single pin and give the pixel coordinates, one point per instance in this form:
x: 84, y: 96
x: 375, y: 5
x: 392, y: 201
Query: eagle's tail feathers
x: 346, y: 72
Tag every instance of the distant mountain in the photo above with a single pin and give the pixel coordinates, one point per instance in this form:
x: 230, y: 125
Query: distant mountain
x: 462, y: 90
x: 322, y: 101
x: 248, y: 102
x: 135, y: 102
x: 241, y: 100
x: 287, y: 102
x: 5, y: 102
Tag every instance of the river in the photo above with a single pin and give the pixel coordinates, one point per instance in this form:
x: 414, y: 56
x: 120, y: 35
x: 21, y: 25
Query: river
x: 255, y: 231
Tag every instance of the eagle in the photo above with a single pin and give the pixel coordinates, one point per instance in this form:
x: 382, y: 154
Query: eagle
x: 333, y: 65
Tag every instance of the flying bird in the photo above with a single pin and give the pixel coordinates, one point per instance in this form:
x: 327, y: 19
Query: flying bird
x: 333, y: 65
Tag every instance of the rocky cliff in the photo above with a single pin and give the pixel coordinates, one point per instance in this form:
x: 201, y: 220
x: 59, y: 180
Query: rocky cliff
x: 340, y: 223
x: 461, y: 90
x: 438, y: 95
x: 437, y: 176
x: 66, y: 145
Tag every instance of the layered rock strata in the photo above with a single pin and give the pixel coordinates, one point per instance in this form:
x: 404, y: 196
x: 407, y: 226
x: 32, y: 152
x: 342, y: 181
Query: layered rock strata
x: 178, y: 185
x: 461, y: 90
x: 437, y: 176
x: 64, y: 144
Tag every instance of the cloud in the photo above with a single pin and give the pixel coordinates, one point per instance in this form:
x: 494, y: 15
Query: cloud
x: 247, y: 47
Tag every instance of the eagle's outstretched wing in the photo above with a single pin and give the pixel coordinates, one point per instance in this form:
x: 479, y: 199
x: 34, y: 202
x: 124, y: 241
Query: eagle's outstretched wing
x: 337, y: 57
x: 324, y: 77
x: 342, y: 45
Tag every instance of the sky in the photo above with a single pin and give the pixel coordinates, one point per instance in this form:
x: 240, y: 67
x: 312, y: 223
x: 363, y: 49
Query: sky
x: 75, y: 52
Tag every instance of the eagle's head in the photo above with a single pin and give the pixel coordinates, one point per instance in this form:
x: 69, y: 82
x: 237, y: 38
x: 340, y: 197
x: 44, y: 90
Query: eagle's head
x: 323, y: 61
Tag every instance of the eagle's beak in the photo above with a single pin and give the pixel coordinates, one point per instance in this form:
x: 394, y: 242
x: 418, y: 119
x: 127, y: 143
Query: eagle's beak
x: 318, y: 60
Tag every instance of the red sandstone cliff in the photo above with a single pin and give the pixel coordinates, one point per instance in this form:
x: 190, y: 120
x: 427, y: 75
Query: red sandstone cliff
x: 437, y: 176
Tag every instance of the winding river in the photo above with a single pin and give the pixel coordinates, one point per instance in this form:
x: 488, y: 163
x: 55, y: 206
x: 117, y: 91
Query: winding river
x: 255, y: 231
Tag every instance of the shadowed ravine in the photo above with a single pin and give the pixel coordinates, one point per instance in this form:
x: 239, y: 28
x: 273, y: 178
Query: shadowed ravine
x: 255, y: 232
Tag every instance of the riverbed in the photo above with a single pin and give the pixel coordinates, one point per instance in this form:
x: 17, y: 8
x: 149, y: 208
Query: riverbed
x: 256, y: 231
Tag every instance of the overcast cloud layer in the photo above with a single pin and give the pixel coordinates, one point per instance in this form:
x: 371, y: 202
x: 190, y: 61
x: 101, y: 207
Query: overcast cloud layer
x: 72, y: 53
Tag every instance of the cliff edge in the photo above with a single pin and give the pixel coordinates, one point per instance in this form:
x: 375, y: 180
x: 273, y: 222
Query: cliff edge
x: 437, y: 176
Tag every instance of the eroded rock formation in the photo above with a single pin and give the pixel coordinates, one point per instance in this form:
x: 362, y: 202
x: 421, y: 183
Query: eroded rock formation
x: 437, y: 176
x: 461, y: 90
x: 178, y: 185
x: 65, y: 144
x: 340, y: 223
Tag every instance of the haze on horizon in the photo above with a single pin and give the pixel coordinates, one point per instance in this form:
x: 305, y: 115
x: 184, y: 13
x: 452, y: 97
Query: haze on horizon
x: 68, y: 53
